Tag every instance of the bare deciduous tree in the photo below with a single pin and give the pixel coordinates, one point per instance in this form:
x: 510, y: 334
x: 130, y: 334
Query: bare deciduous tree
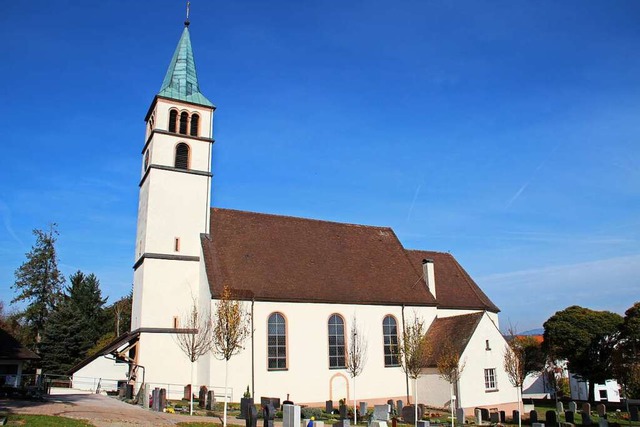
x: 514, y: 367
x: 414, y: 350
x: 195, y: 338
x: 356, y: 358
x: 230, y: 329
x: 450, y: 369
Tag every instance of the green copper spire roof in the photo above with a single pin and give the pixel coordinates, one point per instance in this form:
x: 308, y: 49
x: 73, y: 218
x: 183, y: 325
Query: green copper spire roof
x: 181, y: 80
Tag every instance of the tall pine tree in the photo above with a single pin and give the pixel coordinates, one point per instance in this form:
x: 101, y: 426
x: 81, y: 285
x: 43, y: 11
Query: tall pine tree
x: 75, y: 326
x: 39, y: 282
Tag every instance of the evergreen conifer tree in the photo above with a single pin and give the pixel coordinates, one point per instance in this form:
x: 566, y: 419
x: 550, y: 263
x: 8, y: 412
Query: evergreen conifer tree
x: 39, y: 282
x: 75, y: 326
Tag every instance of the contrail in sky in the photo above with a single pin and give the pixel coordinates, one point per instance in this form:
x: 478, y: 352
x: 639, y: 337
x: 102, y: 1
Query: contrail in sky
x: 533, y: 175
x: 6, y: 219
x: 413, y: 202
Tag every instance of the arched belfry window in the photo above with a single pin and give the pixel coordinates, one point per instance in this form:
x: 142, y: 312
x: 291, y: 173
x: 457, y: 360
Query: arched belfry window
x: 182, y: 156
x: 184, y: 118
x: 173, y: 118
x: 390, y: 335
x: 336, y: 342
x: 277, y: 342
x: 194, y: 125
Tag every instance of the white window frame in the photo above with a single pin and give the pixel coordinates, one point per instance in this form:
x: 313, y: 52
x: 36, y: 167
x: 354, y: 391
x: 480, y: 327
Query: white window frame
x: 490, y: 379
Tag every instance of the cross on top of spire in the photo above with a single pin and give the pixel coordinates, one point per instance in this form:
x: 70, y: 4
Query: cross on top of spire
x: 186, y: 22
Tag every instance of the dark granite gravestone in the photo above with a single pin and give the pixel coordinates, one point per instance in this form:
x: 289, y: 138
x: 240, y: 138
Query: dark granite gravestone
x: 533, y: 417
x: 363, y: 409
x: 515, y: 416
x: 252, y: 416
x: 586, y: 407
x: 202, y: 397
x: 273, y: 401
x: 328, y: 406
x: 392, y: 406
x: 408, y: 414
x: 211, y: 400
x: 503, y: 417
x: 343, y: 412
x: 460, y: 415
x: 569, y: 416
x: 633, y: 414
x: 550, y: 419
x: 155, y: 397
x: 485, y: 414
x: 268, y: 414
x: 602, y: 410
x: 494, y: 417
x: 586, y: 418
x: 245, y: 403
x: 399, y: 405
x: 162, y: 399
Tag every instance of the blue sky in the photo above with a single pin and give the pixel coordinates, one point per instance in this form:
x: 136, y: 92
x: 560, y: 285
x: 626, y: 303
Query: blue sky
x: 505, y: 132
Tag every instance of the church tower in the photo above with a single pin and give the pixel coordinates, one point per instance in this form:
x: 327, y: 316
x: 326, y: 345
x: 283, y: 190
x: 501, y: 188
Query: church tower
x: 175, y: 187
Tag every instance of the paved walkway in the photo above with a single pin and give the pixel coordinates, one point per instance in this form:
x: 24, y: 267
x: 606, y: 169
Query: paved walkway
x: 101, y: 411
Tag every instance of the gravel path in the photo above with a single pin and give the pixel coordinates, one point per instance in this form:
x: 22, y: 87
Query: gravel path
x: 101, y: 411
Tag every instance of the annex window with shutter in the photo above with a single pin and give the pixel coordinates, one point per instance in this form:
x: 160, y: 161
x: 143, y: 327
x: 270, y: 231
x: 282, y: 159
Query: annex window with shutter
x: 173, y: 118
x: 195, y: 119
x: 277, y: 342
x: 182, y: 156
x: 390, y: 335
x: 336, y: 342
x: 184, y: 118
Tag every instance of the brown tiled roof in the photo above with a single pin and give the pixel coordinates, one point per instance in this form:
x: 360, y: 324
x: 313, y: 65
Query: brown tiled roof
x: 279, y: 258
x: 11, y: 349
x: 455, y: 330
x: 454, y: 287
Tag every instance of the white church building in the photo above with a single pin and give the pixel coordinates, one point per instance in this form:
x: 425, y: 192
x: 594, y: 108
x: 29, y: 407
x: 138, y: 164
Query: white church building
x: 302, y: 283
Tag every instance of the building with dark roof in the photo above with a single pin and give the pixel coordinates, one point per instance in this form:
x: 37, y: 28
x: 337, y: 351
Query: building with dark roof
x: 307, y: 285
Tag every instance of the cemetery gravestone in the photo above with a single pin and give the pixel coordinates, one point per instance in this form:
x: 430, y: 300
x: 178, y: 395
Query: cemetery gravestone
x: 328, y: 407
x: 155, y: 397
x: 422, y: 423
x: 485, y: 414
x: 494, y: 417
x: 503, y: 417
x: 363, y: 409
x: 408, y: 413
x: 633, y: 414
x: 202, y: 397
x: 399, y: 405
x: 586, y: 418
x: 211, y: 400
x: 145, y: 396
x: 550, y: 418
x: 391, y: 406
x: 573, y: 407
x: 268, y: 414
x: 533, y: 417
x: 478, y: 414
x: 460, y: 415
x: 602, y: 410
x: 515, y: 415
x: 187, y: 392
x: 602, y: 422
x: 343, y: 412
x: 586, y: 407
x: 162, y: 399
x: 381, y: 412
x: 273, y: 401
x: 252, y: 416
x: 569, y: 417
x: 560, y: 407
x: 290, y: 416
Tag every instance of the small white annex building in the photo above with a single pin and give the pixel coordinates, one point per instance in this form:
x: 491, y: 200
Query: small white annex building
x: 302, y: 281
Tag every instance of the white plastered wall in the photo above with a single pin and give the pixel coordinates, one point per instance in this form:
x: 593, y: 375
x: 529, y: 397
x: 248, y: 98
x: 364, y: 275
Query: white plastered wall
x: 103, y: 371
x: 476, y: 359
x: 308, y: 378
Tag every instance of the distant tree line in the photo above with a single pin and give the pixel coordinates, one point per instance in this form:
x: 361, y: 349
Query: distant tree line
x: 63, y: 323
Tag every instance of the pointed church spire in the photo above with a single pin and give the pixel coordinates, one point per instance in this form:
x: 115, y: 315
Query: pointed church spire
x: 181, y: 80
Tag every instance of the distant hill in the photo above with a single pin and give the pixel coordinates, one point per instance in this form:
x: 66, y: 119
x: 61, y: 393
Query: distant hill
x: 538, y: 331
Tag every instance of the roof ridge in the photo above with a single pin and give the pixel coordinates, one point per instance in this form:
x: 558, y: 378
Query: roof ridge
x: 300, y: 218
x: 473, y: 285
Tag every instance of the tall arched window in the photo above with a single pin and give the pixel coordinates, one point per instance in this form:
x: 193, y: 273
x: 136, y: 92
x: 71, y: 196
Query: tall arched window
x: 277, y: 342
x: 194, y: 125
x: 184, y: 118
x: 173, y: 118
x: 182, y: 156
x: 390, y: 334
x: 336, y: 342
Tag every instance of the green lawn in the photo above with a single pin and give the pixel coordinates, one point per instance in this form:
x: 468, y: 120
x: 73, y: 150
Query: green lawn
x: 612, y: 416
x: 44, y: 421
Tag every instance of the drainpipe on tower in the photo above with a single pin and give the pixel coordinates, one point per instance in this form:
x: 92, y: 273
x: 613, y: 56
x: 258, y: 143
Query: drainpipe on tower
x: 253, y: 364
